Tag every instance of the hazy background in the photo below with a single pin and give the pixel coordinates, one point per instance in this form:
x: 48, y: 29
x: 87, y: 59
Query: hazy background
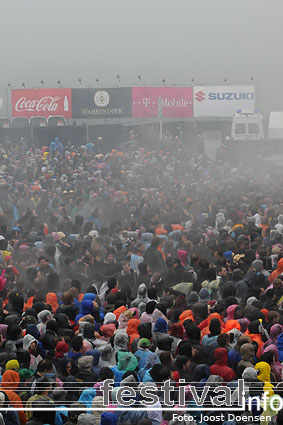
x: 178, y: 40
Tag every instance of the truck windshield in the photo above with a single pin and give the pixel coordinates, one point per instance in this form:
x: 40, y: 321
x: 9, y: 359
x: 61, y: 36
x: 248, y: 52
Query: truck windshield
x: 240, y: 128
x: 253, y: 128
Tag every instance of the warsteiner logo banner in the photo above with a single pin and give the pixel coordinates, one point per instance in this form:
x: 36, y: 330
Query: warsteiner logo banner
x: 102, y: 103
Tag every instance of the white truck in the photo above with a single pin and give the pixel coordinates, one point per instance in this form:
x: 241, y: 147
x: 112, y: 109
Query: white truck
x: 249, y: 126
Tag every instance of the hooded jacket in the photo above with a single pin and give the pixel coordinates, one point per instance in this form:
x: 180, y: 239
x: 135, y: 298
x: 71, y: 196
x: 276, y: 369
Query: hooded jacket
x: 108, y: 418
x: 132, y: 330
x: 232, y: 324
x: 276, y: 367
x: 274, y: 333
x: 86, y: 419
x: 43, y: 317
x: 27, y: 341
x: 264, y: 376
x: 231, y: 311
x: 220, y: 367
x: 107, y: 331
x: 51, y: 298
x: 280, y: 346
x: 144, y: 355
x: 107, y: 356
x: 247, y: 353
x: 87, y: 397
x: 9, y: 384
x: 85, y: 373
x: 119, y: 311
x: 277, y: 272
x: 141, y: 296
x: 154, y: 259
x: 243, y: 286
x: 86, y: 308
x: 254, y: 334
x: 126, y: 362
x: 121, y: 341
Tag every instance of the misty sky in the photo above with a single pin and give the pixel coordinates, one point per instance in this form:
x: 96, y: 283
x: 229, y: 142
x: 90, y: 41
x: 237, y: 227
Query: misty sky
x: 207, y: 40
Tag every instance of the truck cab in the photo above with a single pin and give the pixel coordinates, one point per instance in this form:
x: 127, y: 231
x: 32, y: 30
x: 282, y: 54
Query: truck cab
x: 247, y: 126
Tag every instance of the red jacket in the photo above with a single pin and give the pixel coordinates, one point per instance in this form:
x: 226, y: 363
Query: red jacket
x: 220, y: 367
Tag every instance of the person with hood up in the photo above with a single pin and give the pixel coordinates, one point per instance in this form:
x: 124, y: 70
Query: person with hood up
x: 86, y: 308
x: 201, y: 373
x: 256, y: 332
x: 157, y: 314
x: 274, y: 333
x: 43, y: 317
x: 7, y: 416
x: 280, y: 346
x: 51, y: 299
x: 160, y: 328
x: 187, y: 284
x: 121, y: 342
x: 9, y: 385
x: 247, y: 352
x: 176, y: 333
x: 109, y: 318
x: 264, y: 371
x: 41, y: 399
x: 86, y: 398
x: 153, y: 257
x: 142, y: 296
x: 279, y: 225
x: 209, y: 342
x: 85, y: 373
x: 143, y: 353
x: 212, y: 284
x: 85, y: 419
x: 49, y: 338
x: 88, y: 333
x: 276, y: 366
x: 220, y: 367
x: 204, y: 325
x: 132, y: 330
x: 107, y: 356
x: 277, y: 272
x: 65, y: 367
x: 126, y: 362
x: 30, y: 345
x: 149, y: 309
x: 231, y: 312
x: 145, y: 331
x: 244, y: 285
x: 108, y: 418
x: 107, y: 331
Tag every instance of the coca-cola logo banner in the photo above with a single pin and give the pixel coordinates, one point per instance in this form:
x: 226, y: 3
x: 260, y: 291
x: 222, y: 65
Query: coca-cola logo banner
x: 102, y: 103
x: 42, y: 103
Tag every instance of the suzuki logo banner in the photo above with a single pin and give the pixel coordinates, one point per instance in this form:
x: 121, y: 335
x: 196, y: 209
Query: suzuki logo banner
x: 223, y: 101
x: 102, y: 103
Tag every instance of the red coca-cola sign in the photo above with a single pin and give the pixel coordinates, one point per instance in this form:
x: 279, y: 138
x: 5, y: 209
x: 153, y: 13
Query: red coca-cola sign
x: 42, y: 102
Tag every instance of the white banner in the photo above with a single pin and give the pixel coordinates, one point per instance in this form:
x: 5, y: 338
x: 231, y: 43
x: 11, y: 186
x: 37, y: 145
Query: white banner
x: 223, y: 101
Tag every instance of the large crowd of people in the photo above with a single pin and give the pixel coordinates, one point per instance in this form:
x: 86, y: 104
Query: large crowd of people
x: 141, y: 267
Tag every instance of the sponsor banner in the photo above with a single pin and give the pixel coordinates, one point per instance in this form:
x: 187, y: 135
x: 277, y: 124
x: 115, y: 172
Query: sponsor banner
x: 42, y: 102
x: 102, y: 103
x: 223, y: 101
x: 175, y: 102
